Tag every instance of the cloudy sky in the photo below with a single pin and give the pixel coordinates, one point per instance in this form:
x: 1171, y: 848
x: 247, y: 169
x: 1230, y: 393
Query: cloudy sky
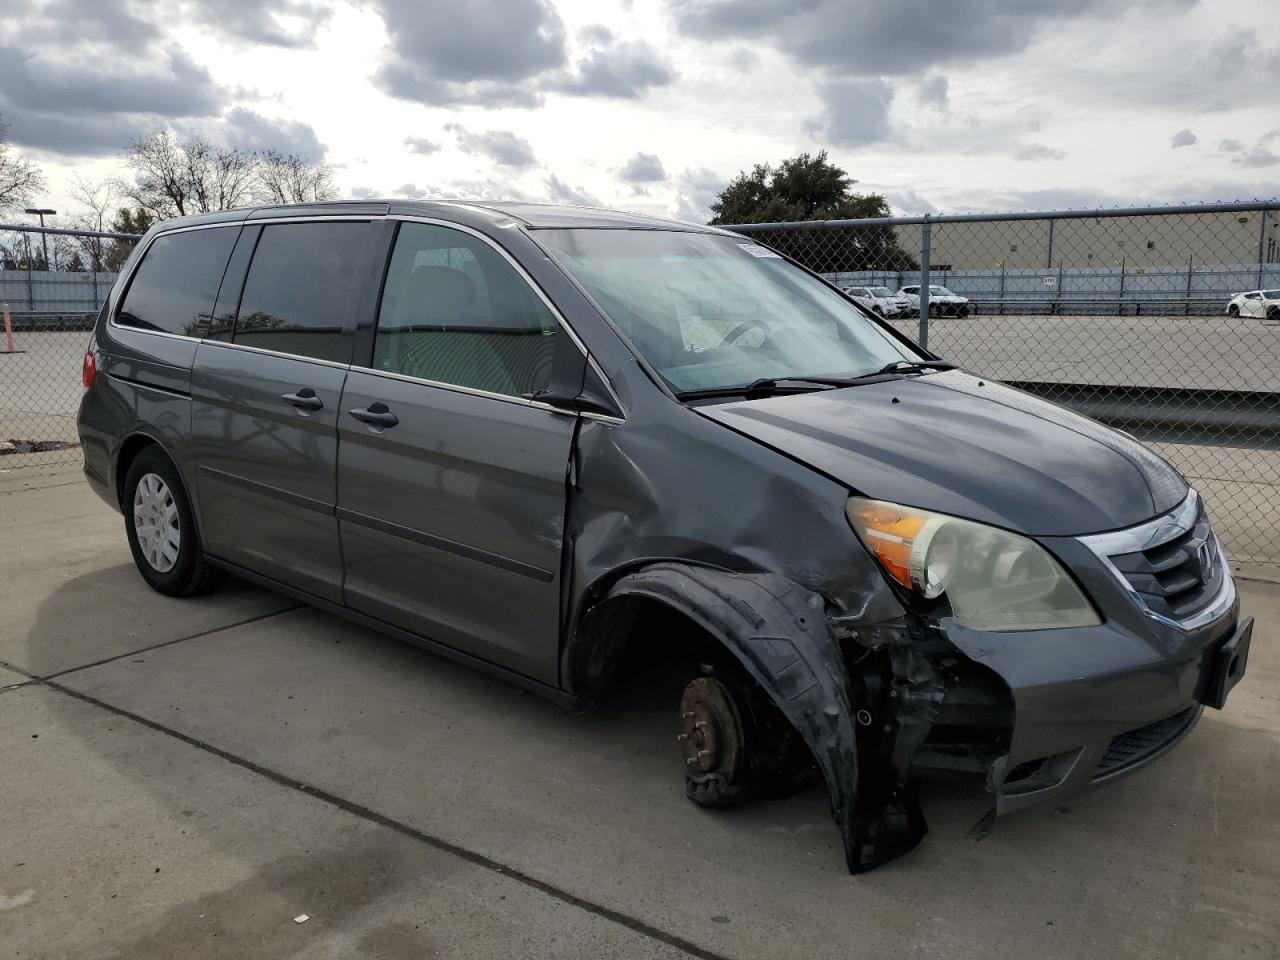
x: 652, y: 105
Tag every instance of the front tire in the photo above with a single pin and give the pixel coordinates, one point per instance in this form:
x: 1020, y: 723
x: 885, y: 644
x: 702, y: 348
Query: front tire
x: 161, y: 529
x: 1233, y: 311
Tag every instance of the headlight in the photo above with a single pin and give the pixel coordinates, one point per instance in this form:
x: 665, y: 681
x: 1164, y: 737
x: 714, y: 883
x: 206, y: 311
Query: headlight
x: 992, y: 579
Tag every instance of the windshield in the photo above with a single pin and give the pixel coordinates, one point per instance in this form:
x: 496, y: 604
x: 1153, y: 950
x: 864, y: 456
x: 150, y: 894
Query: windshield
x: 709, y: 311
x: 880, y: 292
x: 943, y: 291
x: 1271, y: 294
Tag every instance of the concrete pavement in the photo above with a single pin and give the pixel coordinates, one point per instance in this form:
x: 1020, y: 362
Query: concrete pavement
x: 270, y: 760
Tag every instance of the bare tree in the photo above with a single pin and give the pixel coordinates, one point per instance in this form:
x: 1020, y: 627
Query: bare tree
x: 20, y: 179
x: 96, y: 199
x: 178, y: 177
x: 288, y: 178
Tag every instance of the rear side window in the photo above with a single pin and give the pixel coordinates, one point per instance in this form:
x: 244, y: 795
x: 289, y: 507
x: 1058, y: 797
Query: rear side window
x: 175, y: 285
x: 295, y: 295
x: 454, y: 311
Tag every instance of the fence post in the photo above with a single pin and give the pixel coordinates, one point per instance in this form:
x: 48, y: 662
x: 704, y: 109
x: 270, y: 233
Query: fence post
x: 1048, y: 257
x: 8, y: 331
x: 1262, y: 237
x: 926, y: 238
x: 1191, y: 263
x: 1124, y: 261
x: 1001, y: 297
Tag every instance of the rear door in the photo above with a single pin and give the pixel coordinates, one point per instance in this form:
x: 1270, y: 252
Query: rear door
x: 451, y: 475
x: 266, y: 390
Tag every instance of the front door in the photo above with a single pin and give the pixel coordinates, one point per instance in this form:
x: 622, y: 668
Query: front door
x: 451, y: 476
x: 265, y: 392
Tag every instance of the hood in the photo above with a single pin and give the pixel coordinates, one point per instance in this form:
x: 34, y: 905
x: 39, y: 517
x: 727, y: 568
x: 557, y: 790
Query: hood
x: 960, y: 445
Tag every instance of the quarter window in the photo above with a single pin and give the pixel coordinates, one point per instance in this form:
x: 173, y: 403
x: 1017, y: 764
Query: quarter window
x: 454, y: 311
x: 295, y: 296
x: 175, y: 285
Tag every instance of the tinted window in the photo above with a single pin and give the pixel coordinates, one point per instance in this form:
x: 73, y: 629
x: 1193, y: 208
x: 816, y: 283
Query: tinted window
x: 295, y: 296
x: 175, y: 286
x: 454, y: 311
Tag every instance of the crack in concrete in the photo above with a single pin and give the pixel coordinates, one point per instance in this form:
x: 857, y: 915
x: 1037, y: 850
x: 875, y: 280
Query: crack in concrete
x: 164, y: 643
x: 370, y: 815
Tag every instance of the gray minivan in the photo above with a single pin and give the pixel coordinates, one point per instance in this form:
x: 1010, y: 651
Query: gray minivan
x: 551, y: 441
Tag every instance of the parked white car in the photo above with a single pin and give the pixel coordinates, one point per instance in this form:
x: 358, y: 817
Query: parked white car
x: 880, y: 300
x: 1255, y: 303
x: 942, y: 302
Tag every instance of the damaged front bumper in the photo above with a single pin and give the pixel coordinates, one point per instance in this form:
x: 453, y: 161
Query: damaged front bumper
x: 1090, y: 705
x: 1046, y: 714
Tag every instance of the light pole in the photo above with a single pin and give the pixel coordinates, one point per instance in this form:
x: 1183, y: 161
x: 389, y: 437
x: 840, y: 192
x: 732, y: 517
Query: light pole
x: 44, y: 242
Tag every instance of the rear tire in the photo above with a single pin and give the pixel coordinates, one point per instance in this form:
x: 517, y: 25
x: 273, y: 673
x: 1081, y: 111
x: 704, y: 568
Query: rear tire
x: 161, y: 529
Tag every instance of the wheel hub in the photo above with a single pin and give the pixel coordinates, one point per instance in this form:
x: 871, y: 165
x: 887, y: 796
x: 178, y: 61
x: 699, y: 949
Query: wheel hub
x: 710, y: 730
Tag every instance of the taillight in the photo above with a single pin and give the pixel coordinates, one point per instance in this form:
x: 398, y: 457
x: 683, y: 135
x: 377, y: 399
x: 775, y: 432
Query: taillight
x: 89, y: 369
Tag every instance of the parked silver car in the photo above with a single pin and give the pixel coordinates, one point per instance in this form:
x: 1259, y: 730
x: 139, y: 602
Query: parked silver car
x: 881, y: 300
x: 553, y: 442
x: 942, y: 302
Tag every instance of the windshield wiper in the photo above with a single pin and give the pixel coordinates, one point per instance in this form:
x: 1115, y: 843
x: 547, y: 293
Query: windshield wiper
x: 767, y: 386
x: 914, y: 366
x: 772, y: 386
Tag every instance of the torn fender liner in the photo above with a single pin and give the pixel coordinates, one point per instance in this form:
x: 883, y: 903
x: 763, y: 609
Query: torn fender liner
x: 779, y: 631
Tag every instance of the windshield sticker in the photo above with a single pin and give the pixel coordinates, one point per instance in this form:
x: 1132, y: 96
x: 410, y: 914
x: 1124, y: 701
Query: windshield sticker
x: 758, y: 251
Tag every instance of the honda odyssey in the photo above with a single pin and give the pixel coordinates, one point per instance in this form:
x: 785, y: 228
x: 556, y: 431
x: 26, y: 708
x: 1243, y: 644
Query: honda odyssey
x: 544, y: 440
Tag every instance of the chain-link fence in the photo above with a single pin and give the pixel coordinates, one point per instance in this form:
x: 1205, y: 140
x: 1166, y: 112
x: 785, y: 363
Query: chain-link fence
x: 46, y: 316
x: 1164, y: 322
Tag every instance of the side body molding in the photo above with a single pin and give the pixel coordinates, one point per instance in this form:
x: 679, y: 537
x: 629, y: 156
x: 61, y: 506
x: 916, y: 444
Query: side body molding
x: 778, y: 630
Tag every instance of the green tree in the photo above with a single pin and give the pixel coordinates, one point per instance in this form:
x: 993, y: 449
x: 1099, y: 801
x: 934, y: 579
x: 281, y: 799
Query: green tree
x: 127, y: 220
x: 806, y: 188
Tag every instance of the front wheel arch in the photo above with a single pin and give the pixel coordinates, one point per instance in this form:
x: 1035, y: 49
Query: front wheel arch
x: 777, y: 631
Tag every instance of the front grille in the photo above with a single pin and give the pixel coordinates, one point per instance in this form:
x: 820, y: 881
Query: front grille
x: 1133, y: 747
x: 1178, y: 576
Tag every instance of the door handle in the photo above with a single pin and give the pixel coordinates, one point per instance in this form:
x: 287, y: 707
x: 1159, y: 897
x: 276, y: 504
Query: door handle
x: 376, y: 415
x: 304, y: 399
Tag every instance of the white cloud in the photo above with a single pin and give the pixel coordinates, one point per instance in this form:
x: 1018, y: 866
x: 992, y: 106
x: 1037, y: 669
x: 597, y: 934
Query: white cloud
x: 972, y: 104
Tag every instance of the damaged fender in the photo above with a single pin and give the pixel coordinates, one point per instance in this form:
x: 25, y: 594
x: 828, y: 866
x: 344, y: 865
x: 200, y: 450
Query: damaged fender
x: 779, y: 632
